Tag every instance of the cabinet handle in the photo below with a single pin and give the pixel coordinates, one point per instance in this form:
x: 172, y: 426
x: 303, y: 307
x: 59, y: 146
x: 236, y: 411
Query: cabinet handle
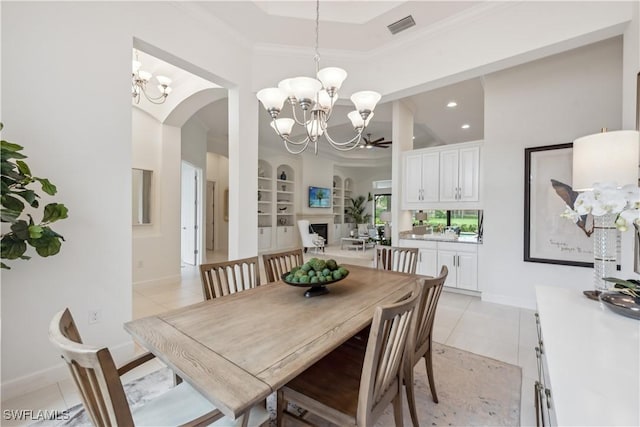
x: 547, y: 393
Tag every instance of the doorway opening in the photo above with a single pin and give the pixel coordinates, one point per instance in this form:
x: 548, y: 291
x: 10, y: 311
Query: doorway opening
x: 190, y: 214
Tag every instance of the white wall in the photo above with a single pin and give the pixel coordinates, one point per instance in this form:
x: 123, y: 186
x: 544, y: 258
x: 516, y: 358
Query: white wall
x: 549, y: 101
x: 75, y: 122
x: 156, y: 245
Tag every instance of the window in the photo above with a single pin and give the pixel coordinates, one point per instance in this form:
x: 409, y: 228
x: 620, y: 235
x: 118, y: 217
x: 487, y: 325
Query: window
x: 377, y: 185
x: 381, y: 203
x: 469, y: 221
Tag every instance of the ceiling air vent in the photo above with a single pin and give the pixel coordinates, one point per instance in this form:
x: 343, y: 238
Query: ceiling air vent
x: 401, y: 25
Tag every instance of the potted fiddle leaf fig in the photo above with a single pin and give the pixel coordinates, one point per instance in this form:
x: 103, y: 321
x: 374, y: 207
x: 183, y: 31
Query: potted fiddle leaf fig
x: 20, y: 203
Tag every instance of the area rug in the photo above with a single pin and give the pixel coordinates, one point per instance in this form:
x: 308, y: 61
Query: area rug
x: 472, y: 390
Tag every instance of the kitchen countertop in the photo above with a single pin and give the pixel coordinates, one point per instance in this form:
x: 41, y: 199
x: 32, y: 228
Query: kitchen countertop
x: 441, y: 237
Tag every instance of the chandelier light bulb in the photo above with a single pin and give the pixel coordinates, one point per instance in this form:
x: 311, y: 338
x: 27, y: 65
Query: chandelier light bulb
x: 332, y: 78
x: 357, y: 121
x: 365, y: 100
x: 272, y: 99
x: 305, y: 89
x: 164, y: 81
x: 324, y: 100
x: 283, y: 126
x: 144, y: 75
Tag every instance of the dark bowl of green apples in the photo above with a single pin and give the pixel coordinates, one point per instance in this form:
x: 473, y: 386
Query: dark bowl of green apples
x: 315, y: 274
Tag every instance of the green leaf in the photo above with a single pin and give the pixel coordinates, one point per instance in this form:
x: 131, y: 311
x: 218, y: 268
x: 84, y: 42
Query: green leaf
x: 10, y: 146
x: 4, y: 266
x: 23, y: 167
x: 12, y: 248
x: 7, y: 215
x: 48, y: 243
x: 20, y: 229
x: 11, y: 203
x: 47, y: 186
x: 35, y: 231
x: 30, y: 196
x: 619, y: 283
x: 54, y: 211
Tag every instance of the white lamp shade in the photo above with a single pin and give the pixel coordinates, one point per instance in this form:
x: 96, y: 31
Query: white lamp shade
x: 385, y: 216
x: 324, y: 100
x: 305, y: 88
x: 272, y: 98
x: 144, y: 75
x: 285, y: 86
x: 164, y: 89
x: 314, y: 129
x: 421, y: 216
x: 365, y: 100
x: 283, y: 126
x: 165, y: 81
x: 332, y: 77
x: 606, y: 157
x: 356, y: 119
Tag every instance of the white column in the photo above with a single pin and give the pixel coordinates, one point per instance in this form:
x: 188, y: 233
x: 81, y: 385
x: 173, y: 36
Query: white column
x: 402, y: 136
x: 243, y: 174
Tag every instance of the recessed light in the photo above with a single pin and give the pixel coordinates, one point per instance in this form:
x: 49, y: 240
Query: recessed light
x: 452, y: 104
x: 465, y: 126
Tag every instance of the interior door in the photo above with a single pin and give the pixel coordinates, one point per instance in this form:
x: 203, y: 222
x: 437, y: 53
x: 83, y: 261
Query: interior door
x: 188, y: 216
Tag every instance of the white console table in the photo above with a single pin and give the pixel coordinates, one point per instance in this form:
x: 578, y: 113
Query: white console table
x: 592, y: 360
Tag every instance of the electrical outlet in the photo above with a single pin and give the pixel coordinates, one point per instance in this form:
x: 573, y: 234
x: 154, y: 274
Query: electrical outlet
x: 95, y: 316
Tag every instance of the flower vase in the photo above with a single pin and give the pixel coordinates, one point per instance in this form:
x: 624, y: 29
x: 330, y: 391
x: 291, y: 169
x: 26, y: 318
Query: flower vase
x: 605, y: 242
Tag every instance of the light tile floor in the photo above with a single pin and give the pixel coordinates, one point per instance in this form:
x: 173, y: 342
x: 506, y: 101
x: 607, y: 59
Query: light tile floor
x: 497, y: 331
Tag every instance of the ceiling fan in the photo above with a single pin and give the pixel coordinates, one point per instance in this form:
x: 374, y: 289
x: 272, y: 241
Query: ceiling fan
x: 378, y: 143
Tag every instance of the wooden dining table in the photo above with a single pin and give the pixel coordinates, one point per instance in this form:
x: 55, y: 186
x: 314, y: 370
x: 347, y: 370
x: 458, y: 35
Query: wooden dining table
x: 238, y: 349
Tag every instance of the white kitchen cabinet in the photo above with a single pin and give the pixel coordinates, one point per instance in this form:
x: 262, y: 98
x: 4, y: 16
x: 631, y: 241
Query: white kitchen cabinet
x: 428, y: 262
x: 436, y: 177
x: 460, y: 174
x: 421, y: 178
x: 461, y: 260
x: 264, y: 238
x: 285, y: 237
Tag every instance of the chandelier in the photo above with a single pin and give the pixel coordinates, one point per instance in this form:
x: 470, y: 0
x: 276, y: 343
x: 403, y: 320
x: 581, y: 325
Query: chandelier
x: 139, y: 80
x: 312, y: 101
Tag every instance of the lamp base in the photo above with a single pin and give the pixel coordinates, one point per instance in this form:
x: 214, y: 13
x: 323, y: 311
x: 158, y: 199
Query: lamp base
x: 593, y: 295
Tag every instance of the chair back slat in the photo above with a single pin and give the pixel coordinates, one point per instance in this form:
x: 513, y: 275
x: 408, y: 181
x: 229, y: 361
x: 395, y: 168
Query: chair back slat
x: 224, y: 278
x: 276, y: 264
x: 94, y: 373
x: 382, y: 371
x: 430, y: 295
x: 393, y: 258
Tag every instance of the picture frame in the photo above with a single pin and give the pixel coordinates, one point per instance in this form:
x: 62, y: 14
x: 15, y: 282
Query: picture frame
x: 548, y: 237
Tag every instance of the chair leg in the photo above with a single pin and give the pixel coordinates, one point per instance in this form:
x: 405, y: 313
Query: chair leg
x: 411, y: 398
x: 432, y: 385
x: 397, y: 409
x: 281, y: 406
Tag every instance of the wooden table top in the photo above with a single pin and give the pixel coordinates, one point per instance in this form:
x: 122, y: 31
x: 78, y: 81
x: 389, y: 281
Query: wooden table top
x: 238, y: 349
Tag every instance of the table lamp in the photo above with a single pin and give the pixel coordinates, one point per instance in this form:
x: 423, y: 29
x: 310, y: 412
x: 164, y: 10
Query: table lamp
x: 607, y: 157
x: 421, y: 216
x: 386, y: 218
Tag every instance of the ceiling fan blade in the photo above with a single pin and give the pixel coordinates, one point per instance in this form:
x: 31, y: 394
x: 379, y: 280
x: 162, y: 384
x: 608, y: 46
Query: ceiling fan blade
x: 379, y: 146
x: 384, y: 143
x: 377, y: 140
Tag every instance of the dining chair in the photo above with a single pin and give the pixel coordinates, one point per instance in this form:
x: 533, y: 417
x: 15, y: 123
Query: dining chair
x: 349, y: 387
x: 276, y: 264
x: 228, y: 277
x: 98, y: 381
x: 426, y: 311
x: 394, y: 258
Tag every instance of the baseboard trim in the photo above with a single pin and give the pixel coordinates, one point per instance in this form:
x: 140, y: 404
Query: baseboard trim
x: 512, y: 301
x: 45, y: 377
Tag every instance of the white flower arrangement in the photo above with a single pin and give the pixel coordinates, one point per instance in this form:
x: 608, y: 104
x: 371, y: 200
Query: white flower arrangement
x: 606, y: 198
